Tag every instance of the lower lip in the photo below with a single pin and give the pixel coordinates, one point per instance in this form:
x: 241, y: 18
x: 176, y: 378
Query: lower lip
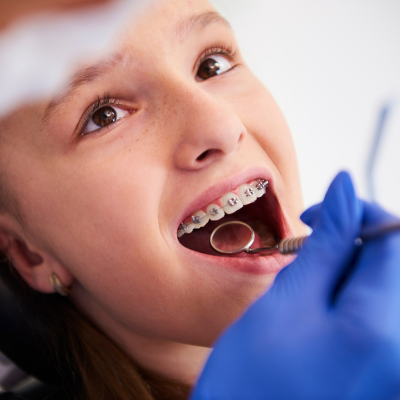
x: 244, y: 263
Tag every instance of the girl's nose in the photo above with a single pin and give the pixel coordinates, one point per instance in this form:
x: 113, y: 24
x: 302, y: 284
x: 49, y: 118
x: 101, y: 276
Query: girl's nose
x: 210, y: 130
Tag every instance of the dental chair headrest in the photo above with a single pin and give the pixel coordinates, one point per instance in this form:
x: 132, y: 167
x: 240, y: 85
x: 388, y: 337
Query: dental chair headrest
x: 24, y: 338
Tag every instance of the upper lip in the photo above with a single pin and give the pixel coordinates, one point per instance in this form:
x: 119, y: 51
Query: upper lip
x: 224, y: 186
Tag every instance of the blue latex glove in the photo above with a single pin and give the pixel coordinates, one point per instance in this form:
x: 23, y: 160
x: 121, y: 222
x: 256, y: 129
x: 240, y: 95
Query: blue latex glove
x: 329, y: 328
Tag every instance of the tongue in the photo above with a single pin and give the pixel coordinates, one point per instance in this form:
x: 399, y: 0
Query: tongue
x: 199, y: 239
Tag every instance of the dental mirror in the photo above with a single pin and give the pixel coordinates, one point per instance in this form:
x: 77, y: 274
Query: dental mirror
x: 235, y: 237
x: 232, y: 238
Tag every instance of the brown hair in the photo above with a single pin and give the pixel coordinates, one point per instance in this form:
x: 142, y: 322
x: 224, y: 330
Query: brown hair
x: 97, y: 368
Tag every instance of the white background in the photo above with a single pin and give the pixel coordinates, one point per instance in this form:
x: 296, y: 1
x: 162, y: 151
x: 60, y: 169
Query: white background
x: 331, y: 65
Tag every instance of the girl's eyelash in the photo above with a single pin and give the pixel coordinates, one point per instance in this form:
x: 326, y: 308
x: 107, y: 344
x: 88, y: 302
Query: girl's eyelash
x: 217, y: 48
x: 105, y: 100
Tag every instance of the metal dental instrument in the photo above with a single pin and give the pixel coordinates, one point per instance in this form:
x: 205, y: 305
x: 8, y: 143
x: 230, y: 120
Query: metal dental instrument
x: 235, y: 237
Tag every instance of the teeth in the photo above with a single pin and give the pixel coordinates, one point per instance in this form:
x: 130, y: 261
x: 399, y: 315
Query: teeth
x: 232, y: 202
x: 199, y: 219
x: 247, y: 194
x: 258, y: 188
x: 265, y: 233
x: 186, y: 228
x: 215, y: 212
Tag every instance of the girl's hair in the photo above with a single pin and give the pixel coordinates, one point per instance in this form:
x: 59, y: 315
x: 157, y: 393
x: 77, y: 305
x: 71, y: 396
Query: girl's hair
x: 95, y: 368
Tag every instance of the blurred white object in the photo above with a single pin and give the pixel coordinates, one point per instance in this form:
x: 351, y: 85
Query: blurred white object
x: 10, y: 374
x: 38, y: 52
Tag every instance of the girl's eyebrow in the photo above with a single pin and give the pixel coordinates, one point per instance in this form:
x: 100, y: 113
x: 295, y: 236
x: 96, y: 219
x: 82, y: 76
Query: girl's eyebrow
x: 186, y: 26
x: 81, y: 78
x: 197, y: 22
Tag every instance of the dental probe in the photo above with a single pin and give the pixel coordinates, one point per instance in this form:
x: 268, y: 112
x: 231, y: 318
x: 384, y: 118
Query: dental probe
x: 241, y: 236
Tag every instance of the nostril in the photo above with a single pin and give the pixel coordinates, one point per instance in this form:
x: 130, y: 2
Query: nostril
x: 208, y: 155
x: 202, y: 156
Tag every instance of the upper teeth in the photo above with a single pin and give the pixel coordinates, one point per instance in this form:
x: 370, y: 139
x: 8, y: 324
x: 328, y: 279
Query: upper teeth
x: 231, y: 203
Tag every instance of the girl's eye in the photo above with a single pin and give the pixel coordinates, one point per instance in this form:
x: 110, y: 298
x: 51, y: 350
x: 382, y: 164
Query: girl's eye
x: 213, y: 66
x: 103, y: 117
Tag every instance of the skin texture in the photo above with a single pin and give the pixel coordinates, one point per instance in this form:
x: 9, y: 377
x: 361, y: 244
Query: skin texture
x: 101, y: 210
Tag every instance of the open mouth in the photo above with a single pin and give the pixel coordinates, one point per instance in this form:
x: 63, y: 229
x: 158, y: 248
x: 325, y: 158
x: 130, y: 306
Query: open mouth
x: 253, y: 203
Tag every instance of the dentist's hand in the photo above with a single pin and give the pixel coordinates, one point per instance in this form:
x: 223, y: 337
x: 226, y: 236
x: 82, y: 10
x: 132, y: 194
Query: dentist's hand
x: 329, y: 328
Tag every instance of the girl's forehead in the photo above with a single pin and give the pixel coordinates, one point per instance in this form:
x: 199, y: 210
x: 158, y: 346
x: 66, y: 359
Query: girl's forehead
x: 143, y: 40
x: 172, y: 18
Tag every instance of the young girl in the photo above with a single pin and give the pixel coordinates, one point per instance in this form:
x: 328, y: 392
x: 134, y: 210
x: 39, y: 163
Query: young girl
x: 109, y: 192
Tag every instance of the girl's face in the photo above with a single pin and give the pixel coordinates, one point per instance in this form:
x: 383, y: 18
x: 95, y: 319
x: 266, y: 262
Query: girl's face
x: 165, y: 125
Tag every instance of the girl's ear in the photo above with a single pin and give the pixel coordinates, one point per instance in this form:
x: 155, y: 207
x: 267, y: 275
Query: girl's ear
x: 35, y: 266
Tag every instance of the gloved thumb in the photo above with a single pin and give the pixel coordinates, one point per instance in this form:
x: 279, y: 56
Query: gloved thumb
x: 311, y: 215
x: 329, y: 250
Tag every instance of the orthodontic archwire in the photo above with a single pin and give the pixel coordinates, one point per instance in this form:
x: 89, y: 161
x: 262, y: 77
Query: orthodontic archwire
x: 262, y: 184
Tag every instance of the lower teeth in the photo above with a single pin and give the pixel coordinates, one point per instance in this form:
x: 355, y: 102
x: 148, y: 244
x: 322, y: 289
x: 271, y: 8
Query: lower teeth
x: 264, y: 232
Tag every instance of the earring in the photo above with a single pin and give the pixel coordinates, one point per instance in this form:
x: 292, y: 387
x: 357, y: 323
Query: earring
x: 58, y: 286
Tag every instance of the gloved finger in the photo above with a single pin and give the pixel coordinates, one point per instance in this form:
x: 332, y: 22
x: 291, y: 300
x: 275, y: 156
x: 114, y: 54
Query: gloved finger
x: 372, y: 293
x: 375, y: 215
x: 330, y: 248
x: 311, y: 215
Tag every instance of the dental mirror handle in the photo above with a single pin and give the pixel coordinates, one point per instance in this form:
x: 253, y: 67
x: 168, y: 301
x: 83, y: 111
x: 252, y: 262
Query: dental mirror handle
x: 294, y: 245
x: 285, y: 246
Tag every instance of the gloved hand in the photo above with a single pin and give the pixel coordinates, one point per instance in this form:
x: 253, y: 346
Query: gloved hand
x: 329, y: 328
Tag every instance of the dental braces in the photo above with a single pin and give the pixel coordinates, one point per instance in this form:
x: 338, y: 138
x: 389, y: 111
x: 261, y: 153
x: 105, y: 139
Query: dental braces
x: 262, y: 184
